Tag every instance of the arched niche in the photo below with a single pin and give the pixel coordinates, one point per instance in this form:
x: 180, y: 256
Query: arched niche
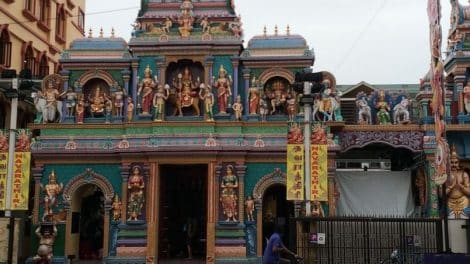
x: 174, y: 68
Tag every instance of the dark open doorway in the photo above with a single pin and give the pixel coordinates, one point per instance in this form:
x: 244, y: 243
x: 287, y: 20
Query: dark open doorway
x: 183, y: 211
x: 91, y: 225
x: 277, y: 210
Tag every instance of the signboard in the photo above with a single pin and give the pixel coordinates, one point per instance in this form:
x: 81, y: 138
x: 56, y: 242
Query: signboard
x: 20, y: 185
x: 317, y: 238
x: 3, y: 178
x: 295, y: 172
x: 319, y: 169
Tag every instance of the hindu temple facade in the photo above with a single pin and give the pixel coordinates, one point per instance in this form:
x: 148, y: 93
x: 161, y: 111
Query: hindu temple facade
x: 184, y: 126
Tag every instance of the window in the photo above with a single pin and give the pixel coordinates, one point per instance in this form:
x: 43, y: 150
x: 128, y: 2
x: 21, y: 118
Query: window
x: 43, y: 66
x: 29, y: 5
x: 29, y: 62
x: 60, y: 23
x: 5, y: 47
x: 44, y: 11
x: 81, y: 19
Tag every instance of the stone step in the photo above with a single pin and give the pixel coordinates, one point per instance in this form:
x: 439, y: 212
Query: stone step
x: 230, y: 242
x: 132, y: 233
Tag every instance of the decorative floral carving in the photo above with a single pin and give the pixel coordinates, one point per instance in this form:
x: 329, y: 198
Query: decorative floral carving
x: 412, y: 140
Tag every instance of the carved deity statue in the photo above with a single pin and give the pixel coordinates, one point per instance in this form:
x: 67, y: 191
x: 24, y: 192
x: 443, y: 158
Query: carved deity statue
x: 187, y: 92
x: 118, y: 97
x: 229, y: 197
x: 250, y: 208
x: 263, y: 106
x: 207, y: 97
x: 295, y: 135
x: 136, y: 187
x: 383, y: 109
x: 254, y: 98
x: 238, y: 108
x: 145, y: 90
x: 291, y: 106
x: 224, y: 89
x: 80, y: 111
x: 23, y: 144
x: 186, y: 19
x: 48, y: 102
x: 116, y: 208
x: 97, y: 102
x: 3, y: 142
x: 458, y: 188
x: 130, y: 109
x: 46, y: 235
x: 167, y: 25
x: 319, y: 136
x: 70, y: 102
x: 466, y: 98
x: 205, y: 25
x: 159, y: 102
x: 51, y: 190
x: 236, y: 27
x: 364, y: 115
x: 278, y: 97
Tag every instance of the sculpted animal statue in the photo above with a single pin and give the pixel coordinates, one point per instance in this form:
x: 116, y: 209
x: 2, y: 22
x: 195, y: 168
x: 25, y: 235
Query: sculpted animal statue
x: 401, y: 115
x: 364, y: 111
x: 47, y: 114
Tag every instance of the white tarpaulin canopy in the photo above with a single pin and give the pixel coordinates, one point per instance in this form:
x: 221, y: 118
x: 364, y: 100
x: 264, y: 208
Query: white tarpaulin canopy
x: 375, y: 193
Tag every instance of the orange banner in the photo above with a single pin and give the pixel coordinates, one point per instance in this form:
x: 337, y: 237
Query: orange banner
x: 319, y: 179
x: 295, y: 172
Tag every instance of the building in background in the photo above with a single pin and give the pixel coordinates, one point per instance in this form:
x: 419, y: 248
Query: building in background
x: 179, y: 136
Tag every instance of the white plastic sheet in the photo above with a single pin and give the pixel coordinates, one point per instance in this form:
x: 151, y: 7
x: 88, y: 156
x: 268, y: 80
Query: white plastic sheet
x: 375, y: 193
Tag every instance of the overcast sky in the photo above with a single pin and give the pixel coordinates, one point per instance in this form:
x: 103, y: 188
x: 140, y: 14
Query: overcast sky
x: 377, y: 41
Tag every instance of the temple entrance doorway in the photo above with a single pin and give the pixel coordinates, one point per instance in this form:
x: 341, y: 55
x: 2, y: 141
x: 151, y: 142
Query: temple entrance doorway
x: 278, y: 211
x: 88, y: 223
x: 183, y: 213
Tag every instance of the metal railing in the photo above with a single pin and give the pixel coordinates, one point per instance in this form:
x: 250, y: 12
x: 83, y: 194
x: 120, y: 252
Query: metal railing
x: 366, y: 240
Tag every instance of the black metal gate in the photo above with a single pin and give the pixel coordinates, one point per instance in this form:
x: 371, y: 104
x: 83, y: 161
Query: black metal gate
x: 367, y: 240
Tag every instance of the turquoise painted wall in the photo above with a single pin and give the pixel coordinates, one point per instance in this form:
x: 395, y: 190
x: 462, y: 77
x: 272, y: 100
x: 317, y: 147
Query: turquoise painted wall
x: 256, y: 171
x: 151, y: 61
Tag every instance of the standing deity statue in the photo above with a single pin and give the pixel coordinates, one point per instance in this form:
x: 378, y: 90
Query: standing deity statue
x: 167, y: 25
x: 254, y: 98
x: 224, y: 89
x: 263, y: 106
x: 70, y: 102
x: 80, y: 111
x: 250, y: 208
x: 291, y: 106
x: 136, y: 187
x: 130, y: 109
x: 458, y: 188
x: 46, y: 235
x: 238, y: 108
x: 383, y: 109
x: 159, y: 102
x: 118, y: 97
x: 116, y: 208
x: 207, y: 97
x: 145, y: 90
x: 51, y: 190
x: 205, y: 25
x: 229, y: 195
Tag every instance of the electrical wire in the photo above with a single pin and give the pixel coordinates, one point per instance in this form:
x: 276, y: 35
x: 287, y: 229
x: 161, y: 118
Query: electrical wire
x: 359, y: 37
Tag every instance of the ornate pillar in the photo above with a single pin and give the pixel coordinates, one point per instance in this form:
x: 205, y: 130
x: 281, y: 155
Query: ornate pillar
x: 125, y: 170
x: 65, y: 76
x: 458, y: 91
x: 208, y: 68
x: 152, y: 216
x: 241, y: 172
x: 212, y: 200
x: 235, y: 64
x: 135, y: 74
x: 246, y: 78
x: 126, y: 76
x: 332, y: 191
x: 37, y: 172
x: 161, y: 68
x: 259, y: 226
x: 107, y: 208
x: 68, y: 227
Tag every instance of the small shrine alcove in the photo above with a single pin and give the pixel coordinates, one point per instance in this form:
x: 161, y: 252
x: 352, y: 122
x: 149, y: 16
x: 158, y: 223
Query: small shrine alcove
x: 96, y: 93
x: 277, y: 91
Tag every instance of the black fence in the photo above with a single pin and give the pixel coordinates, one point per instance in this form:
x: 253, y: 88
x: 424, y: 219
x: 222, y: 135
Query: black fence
x: 367, y: 240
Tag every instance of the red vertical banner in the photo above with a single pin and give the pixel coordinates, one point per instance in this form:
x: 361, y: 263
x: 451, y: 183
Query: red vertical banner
x: 319, y: 170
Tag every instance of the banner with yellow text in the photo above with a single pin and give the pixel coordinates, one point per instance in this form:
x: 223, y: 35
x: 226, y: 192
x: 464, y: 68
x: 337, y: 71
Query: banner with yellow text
x: 295, y: 172
x: 20, y: 186
x: 319, y: 179
x: 3, y: 178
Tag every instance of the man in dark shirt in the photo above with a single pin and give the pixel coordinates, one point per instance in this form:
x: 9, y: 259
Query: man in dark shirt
x: 275, y: 247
